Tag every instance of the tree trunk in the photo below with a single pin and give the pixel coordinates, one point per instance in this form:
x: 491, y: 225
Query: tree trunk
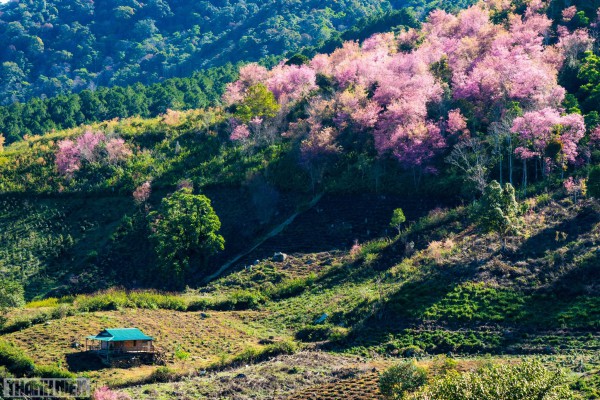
x: 510, y: 160
x: 525, y: 177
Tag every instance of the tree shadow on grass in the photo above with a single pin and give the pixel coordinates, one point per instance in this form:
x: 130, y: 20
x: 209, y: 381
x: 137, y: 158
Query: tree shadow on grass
x: 401, y: 310
x: 545, y: 240
x: 84, y: 361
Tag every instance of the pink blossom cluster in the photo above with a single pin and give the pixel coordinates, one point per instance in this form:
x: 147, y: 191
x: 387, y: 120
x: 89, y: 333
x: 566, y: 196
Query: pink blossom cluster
x: 595, y: 136
x: 287, y: 82
x: 537, y: 129
x: 569, y: 13
x: 240, y: 132
x: 573, y: 44
x: 387, y: 86
x: 90, y: 147
x: 142, y: 193
x: 105, y: 393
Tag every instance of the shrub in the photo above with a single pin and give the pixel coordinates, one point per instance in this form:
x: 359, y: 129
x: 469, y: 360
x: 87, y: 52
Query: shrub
x: 292, y: 287
x: 52, y: 371
x: 49, y: 302
x: 401, y: 379
x: 201, y: 305
x: 154, y: 300
x: 524, y: 381
x: 241, y: 300
x: 163, y: 374
x: 314, y: 333
x: 14, y: 360
x: 104, y: 301
x: 118, y: 299
x: 253, y: 354
x: 181, y: 354
x: 62, y: 311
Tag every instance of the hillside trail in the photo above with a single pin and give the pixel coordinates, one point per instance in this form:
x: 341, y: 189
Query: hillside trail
x: 274, y: 232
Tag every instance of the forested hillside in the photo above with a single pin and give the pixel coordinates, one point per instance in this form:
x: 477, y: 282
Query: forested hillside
x: 56, y: 47
x: 202, y: 89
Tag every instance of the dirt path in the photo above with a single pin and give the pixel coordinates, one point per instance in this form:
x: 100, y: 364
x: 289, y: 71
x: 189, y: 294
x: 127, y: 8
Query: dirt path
x: 276, y: 231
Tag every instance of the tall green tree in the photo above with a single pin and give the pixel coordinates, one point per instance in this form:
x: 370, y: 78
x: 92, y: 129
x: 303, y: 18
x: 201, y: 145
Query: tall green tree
x: 498, y: 211
x: 185, y: 235
x: 11, y: 295
x: 259, y: 102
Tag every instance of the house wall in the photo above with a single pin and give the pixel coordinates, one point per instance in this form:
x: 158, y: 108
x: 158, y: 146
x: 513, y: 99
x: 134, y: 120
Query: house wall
x: 132, y: 345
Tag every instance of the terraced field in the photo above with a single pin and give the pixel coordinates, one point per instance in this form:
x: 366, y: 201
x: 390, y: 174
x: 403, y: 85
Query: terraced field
x: 363, y: 387
x: 207, y: 337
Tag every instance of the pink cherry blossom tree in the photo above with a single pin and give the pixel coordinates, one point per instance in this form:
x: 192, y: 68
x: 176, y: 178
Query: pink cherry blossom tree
x: 142, y: 193
x: 117, y: 150
x: 91, y: 147
x: 67, y: 157
x: 316, y: 151
x: 548, y: 136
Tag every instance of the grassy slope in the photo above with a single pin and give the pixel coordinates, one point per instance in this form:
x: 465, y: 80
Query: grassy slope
x: 455, y: 292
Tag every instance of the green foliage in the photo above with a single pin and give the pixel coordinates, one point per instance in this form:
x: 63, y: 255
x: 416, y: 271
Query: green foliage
x: 398, y: 219
x: 258, y: 102
x: 11, y: 294
x: 241, y: 300
x: 254, y: 355
x: 181, y: 354
x: 163, y: 374
x: 400, y: 380
x: 478, y: 302
x: 524, y: 381
x: 14, y: 360
x: 185, y: 235
x: 589, y: 73
x: 291, y: 287
x: 297, y: 59
x: 114, y: 43
x: 201, y: 89
x: 593, y: 182
x: 499, y: 211
x: 53, y: 371
x: 118, y: 299
x: 314, y: 333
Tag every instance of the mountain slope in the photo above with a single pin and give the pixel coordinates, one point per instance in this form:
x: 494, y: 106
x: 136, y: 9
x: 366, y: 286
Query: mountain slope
x: 53, y: 47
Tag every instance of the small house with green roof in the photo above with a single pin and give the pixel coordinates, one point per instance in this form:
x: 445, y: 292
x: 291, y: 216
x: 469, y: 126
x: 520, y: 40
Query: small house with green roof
x: 119, y: 341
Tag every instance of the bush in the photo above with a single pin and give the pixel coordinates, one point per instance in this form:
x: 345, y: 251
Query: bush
x: 118, y: 299
x: 52, y: 371
x: 253, y: 354
x: 104, y: 301
x: 14, y: 360
x: 181, y: 354
x: 314, y: 333
x: 49, y: 302
x: 201, y: 305
x: 292, y: 287
x: 62, y: 311
x: 524, y: 381
x: 402, y: 379
x: 163, y: 374
x: 241, y: 300
x: 154, y: 300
